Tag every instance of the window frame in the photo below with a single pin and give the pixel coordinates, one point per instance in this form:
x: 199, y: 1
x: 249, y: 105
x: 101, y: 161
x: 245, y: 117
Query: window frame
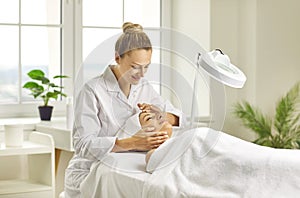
x: 78, y: 60
x: 71, y: 57
x: 25, y: 108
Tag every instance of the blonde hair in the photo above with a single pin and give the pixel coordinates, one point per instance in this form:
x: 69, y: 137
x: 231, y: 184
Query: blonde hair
x: 133, y: 37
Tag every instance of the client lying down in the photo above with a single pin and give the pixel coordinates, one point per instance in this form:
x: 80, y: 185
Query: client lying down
x: 203, y: 162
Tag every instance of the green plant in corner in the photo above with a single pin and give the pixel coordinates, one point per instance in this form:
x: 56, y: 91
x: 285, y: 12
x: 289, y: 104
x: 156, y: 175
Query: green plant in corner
x: 42, y: 87
x: 283, y: 131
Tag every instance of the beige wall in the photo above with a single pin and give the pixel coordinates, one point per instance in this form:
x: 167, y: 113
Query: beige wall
x: 278, y: 49
x: 267, y: 51
x: 192, y: 17
x: 195, y: 24
x: 260, y: 36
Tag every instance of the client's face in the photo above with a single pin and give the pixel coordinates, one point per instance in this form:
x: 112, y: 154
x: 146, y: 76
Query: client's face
x: 155, y: 120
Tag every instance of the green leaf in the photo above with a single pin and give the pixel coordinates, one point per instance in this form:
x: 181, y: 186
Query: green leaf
x: 284, y: 132
x: 298, y: 143
x: 263, y: 141
x: 52, y: 95
x: 253, y: 119
x: 30, y: 85
x: 45, y: 80
x: 294, y: 125
x: 63, y: 94
x: 61, y: 76
x: 36, y: 89
x: 53, y: 85
x: 60, y: 93
x: 44, y: 89
x: 285, y: 109
x: 36, y: 94
x: 36, y: 74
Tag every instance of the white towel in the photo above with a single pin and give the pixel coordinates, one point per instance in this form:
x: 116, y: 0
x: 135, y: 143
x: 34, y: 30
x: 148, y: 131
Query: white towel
x: 208, y: 163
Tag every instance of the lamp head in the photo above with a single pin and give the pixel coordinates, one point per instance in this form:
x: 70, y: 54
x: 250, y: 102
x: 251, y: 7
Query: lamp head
x: 219, y: 67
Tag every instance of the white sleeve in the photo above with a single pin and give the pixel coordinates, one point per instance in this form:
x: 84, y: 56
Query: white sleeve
x: 131, y: 126
x: 87, y: 127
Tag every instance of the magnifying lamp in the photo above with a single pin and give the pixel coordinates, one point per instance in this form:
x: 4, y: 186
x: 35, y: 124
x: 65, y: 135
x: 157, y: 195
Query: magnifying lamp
x: 218, y: 66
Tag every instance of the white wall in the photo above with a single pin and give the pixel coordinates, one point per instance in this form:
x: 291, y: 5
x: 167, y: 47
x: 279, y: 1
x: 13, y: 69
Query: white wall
x: 191, y: 18
x: 266, y: 47
x: 260, y: 36
x: 278, y: 49
x: 234, y: 31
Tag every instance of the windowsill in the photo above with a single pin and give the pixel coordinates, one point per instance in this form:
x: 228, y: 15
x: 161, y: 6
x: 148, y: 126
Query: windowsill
x: 28, y: 122
x: 56, y: 128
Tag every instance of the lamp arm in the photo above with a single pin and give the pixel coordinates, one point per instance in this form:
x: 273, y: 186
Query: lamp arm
x: 195, y: 90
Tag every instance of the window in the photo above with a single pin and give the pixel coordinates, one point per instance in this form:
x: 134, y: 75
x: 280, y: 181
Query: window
x: 101, y: 20
x: 30, y: 37
x: 57, y: 36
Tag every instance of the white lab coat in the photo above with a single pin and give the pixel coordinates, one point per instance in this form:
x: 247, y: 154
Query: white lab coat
x: 101, y: 110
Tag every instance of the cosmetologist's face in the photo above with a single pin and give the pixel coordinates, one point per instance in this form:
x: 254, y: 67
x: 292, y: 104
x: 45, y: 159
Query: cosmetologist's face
x: 134, y: 65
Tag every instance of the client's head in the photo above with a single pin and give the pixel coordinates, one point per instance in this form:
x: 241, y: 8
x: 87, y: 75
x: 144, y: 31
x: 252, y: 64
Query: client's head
x: 156, y: 120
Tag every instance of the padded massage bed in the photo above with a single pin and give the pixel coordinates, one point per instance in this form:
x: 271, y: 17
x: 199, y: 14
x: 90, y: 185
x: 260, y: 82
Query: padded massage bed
x: 199, y: 163
x: 118, y: 175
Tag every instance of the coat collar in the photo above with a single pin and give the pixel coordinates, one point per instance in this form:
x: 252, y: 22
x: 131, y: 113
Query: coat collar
x: 110, y: 80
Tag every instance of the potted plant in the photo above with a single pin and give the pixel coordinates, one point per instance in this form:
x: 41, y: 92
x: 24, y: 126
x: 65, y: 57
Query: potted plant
x: 42, y: 87
x: 283, y: 131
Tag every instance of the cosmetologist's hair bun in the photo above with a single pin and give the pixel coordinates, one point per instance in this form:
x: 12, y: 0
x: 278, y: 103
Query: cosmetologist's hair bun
x: 129, y: 27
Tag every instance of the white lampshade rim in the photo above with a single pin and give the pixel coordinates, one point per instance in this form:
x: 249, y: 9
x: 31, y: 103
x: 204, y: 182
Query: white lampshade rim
x: 235, y: 80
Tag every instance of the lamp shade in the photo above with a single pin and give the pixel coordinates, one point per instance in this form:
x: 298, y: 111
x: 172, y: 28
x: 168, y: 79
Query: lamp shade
x: 219, y: 67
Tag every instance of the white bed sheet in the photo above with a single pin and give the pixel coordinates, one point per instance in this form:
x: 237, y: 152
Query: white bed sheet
x: 117, y: 175
x: 201, y: 163
x: 215, y: 164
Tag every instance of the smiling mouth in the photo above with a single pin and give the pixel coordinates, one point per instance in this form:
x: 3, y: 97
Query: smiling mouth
x: 135, y: 78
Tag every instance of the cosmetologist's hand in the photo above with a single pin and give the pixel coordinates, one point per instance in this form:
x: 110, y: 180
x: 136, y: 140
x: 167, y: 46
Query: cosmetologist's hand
x: 150, y: 108
x: 145, y: 140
